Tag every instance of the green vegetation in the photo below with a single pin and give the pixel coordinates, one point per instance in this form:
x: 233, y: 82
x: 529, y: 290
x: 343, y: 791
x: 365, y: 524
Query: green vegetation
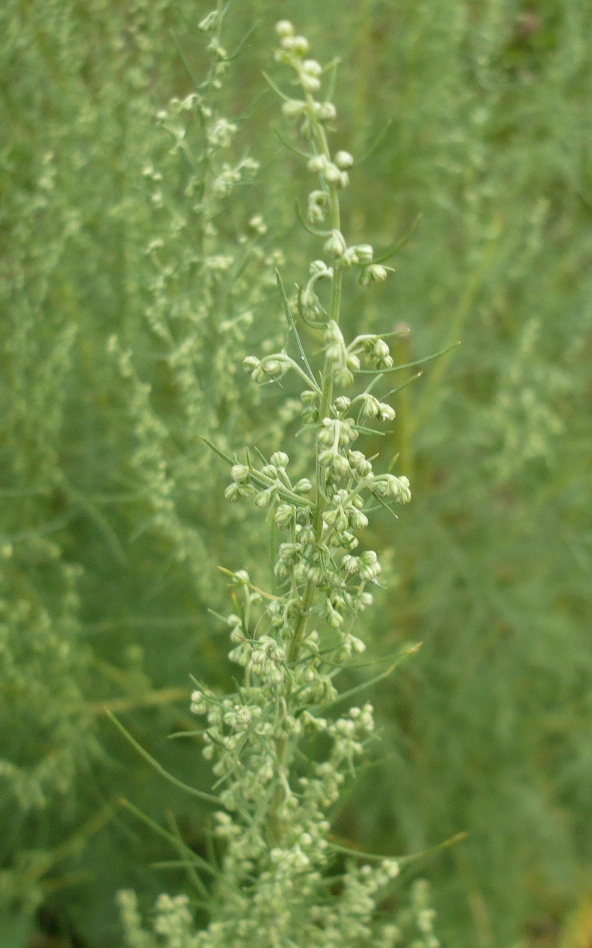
x: 139, y: 249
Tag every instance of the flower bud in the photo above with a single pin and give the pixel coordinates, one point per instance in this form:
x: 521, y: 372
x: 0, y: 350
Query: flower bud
x: 332, y: 173
x: 250, y: 363
x: 343, y: 159
x: 339, y: 466
x: 387, y: 485
x: 359, y: 463
x: 284, y: 515
x: 232, y: 493
x: 272, y: 368
x: 295, y: 44
x: 198, y: 703
x: 377, y: 273
x: 279, y: 459
x: 387, y: 412
x: 325, y: 111
x: 311, y: 67
x: 300, y: 45
x: 318, y: 163
x: 284, y: 28
x: 365, y: 252
x: 240, y: 472
x: 264, y: 498
x: 336, y: 244
x: 318, y: 268
x: 350, y: 564
x: 310, y: 83
x: 317, y: 201
x: 293, y: 108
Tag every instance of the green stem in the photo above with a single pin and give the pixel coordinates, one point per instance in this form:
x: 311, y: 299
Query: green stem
x: 284, y: 745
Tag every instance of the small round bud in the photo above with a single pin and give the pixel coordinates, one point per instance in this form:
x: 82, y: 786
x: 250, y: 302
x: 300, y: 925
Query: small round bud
x: 250, y: 363
x: 295, y: 44
x: 311, y: 67
x: 264, y: 498
x: 387, y: 412
x: 198, y: 703
x: 387, y: 485
x: 272, y: 367
x: 332, y: 173
x: 310, y: 83
x: 239, y: 472
x: 336, y: 244
x: 343, y: 159
x: 350, y: 564
x: 318, y: 163
x: 284, y: 28
x: 279, y: 459
x: 258, y: 224
x: 300, y: 45
x: 343, y: 376
x: 232, y: 493
x: 284, y: 515
x: 325, y: 111
x: 350, y: 257
x: 365, y: 253
x: 315, y: 214
x: 319, y: 268
x: 377, y: 273
x: 293, y: 108
x: 360, y: 465
x: 339, y: 466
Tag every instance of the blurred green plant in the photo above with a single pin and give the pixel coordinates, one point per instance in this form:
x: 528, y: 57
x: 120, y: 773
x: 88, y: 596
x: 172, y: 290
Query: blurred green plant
x: 481, y: 113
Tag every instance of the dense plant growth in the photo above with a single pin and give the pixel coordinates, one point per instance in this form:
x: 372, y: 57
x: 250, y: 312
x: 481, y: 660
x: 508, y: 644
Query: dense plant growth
x: 272, y: 886
x: 121, y: 351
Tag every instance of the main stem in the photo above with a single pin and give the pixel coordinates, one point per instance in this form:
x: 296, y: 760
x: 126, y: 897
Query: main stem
x: 283, y: 744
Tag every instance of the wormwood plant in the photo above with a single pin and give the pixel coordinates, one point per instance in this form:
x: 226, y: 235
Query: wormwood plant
x: 281, y: 744
x: 207, y: 283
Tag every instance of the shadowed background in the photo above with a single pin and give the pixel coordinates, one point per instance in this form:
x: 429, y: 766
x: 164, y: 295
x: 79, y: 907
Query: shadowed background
x: 475, y: 119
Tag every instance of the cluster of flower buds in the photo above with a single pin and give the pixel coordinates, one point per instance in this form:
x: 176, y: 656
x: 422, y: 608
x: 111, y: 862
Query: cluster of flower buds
x: 289, y: 643
x: 277, y: 858
x: 373, y: 351
x: 390, y: 487
x: 270, y: 485
x: 371, y: 407
x: 332, y: 170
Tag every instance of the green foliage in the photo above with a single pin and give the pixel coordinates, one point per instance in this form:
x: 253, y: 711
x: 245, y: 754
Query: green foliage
x: 275, y: 882
x: 112, y: 513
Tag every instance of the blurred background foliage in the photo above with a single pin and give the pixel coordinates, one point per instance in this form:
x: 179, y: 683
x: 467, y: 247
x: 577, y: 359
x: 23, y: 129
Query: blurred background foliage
x: 475, y: 116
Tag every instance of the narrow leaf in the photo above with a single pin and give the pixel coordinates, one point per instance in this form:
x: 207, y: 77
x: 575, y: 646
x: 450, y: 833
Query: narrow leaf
x: 376, y: 143
x: 221, y: 454
x: 411, y: 365
x: 403, y: 656
x: 391, y: 251
x: 209, y: 797
x: 170, y: 837
x: 293, y: 329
